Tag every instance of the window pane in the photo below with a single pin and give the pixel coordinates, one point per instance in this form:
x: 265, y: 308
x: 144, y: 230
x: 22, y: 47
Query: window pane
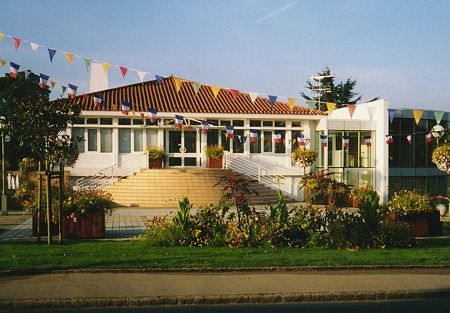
x: 138, y: 140
x: 92, y: 140
x: 79, y: 133
x: 238, y: 141
x: 106, y: 140
x: 124, y: 140
x: 124, y: 121
x: 92, y: 121
x: 106, y: 121
x: 267, y: 141
x: 152, y: 137
x: 255, y: 144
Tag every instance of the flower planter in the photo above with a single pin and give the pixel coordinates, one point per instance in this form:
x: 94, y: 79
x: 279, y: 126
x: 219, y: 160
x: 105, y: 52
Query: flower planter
x: 91, y: 225
x: 214, y: 162
x: 422, y: 225
x: 154, y: 163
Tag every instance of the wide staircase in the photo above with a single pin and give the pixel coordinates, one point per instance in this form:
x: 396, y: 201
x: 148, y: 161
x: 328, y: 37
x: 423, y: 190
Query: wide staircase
x: 162, y: 188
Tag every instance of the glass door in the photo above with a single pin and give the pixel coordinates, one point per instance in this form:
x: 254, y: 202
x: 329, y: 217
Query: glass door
x: 182, y: 147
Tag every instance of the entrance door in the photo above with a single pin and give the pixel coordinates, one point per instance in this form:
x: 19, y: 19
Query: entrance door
x: 182, y: 147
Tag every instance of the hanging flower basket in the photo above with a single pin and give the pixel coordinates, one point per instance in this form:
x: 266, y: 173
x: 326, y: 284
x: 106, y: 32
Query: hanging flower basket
x: 441, y: 157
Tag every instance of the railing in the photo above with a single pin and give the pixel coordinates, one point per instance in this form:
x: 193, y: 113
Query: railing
x: 111, y: 174
x: 282, y: 178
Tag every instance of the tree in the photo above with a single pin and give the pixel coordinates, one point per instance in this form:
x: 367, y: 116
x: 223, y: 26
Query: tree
x: 35, y: 123
x: 327, y: 91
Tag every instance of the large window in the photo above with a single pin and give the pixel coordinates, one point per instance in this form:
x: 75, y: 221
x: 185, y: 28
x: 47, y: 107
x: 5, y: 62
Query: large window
x: 79, y: 133
x: 124, y: 140
x: 138, y: 140
x: 92, y: 139
x: 106, y: 140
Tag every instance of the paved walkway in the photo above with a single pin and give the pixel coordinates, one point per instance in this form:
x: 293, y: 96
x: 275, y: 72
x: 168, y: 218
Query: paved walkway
x: 123, y: 223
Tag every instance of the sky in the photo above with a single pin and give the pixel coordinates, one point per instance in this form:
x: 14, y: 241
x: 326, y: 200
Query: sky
x: 398, y: 50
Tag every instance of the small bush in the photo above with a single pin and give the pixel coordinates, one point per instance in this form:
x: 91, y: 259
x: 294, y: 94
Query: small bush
x: 395, y: 235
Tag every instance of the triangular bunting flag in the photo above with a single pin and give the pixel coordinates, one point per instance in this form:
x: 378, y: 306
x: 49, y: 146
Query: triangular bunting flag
x: 178, y: 83
x: 234, y: 93
x: 439, y: 115
x: 409, y: 138
x: 417, y: 115
x: 153, y: 113
x: 13, y: 69
x: 105, y: 67
x: 331, y: 106
x: 72, y: 90
x: 230, y: 131
x: 27, y: 73
x: 123, y: 71
x: 391, y: 113
x: 52, y: 84
x: 141, y: 76
x: 351, y: 109
x: 368, y: 140
x: 51, y: 53
x: 87, y: 63
x: 43, y: 81
x: 1, y: 36
x: 69, y: 57
x: 205, y: 126
x: 253, y: 135
x: 196, y: 87
x: 345, y: 142
x: 63, y: 89
x: 428, y: 137
x: 2, y: 63
x: 291, y: 103
x: 215, y: 90
x: 253, y: 96
x: 301, y: 140
x: 159, y: 79
x: 126, y: 107
x: 324, y: 140
x: 389, y: 139
x: 178, y: 121
x: 16, y: 42
x: 34, y: 46
x: 272, y: 100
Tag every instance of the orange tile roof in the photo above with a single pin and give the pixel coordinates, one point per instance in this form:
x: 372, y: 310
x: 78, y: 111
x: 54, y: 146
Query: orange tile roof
x: 165, y: 98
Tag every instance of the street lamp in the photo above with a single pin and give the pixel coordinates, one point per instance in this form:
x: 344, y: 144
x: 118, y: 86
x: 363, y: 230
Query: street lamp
x: 4, y: 196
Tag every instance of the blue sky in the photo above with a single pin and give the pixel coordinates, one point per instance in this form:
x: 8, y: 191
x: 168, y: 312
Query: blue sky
x: 398, y: 50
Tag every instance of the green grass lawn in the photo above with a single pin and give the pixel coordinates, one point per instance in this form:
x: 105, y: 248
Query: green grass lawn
x: 91, y: 255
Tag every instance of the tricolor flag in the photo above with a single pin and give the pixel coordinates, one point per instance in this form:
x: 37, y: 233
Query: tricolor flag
x: 253, y: 135
x: 72, y: 91
x: 97, y: 100
x: 428, y: 137
x: 13, y: 69
x: 301, y: 140
x: 142, y: 116
x: 178, y: 121
x: 277, y: 137
x: 368, y: 140
x: 126, y: 107
x: 153, y: 113
x: 389, y: 139
x: 345, y: 141
x: 205, y: 127
x: 324, y: 140
x: 409, y: 138
x: 43, y: 81
x: 230, y: 131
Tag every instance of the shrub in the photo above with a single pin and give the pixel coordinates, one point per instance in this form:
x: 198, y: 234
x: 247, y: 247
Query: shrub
x: 155, y: 152
x: 303, y: 157
x: 395, y: 235
x: 160, y: 232
x: 214, y: 151
x: 324, y: 190
x: 405, y: 202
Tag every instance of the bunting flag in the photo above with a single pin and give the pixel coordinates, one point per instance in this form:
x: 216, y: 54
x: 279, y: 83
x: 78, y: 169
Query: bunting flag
x: 391, y: 113
x: 27, y: 73
x: 205, y: 126
x: 153, y: 113
x: 409, y: 138
x: 178, y: 83
x: 141, y: 76
x: 98, y: 98
x: 51, y: 54
x: 230, y: 131
x: 417, y: 115
x: 389, y: 139
x: 277, y: 138
x: 331, y: 106
x: 439, y: 115
x: 43, y: 81
x: 368, y: 141
x: 87, y: 63
x: 179, y: 121
x: 105, y: 67
x: 2, y: 63
x: 301, y: 140
x: 1, y: 36
x: 324, y: 140
x: 215, y: 90
x: 123, y: 71
x: 69, y: 57
x: 34, y: 46
x: 126, y: 107
x: 253, y: 135
x: 272, y: 100
x: 52, y: 84
x: 72, y: 92
x: 17, y: 42
x: 63, y: 90
x: 351, y: 109
x: 196, y: 87
x: 159, y: 79
x: 428, y: 137
x: 234, y: 93
x: 291, y: 103
x: 142, y: 116
x: 253, y: 96
x: 345, y: 141
x: 13, y: 69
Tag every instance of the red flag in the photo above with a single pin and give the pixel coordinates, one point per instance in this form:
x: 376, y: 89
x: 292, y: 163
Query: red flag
x: 234, y: 94
x: 16, y: 42
x: 389, y: 139
x: 428, y: 137
x: 123, y: 71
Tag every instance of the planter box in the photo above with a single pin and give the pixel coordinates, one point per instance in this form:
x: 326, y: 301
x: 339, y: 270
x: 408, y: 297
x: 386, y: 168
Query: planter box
x: 214, y: 162
x: 422, y: 225
x: 155, y: 163
x: 85, y: 226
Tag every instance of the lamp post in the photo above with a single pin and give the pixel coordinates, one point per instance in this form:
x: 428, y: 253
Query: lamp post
x: 4, y: 196
x: 319, y: 78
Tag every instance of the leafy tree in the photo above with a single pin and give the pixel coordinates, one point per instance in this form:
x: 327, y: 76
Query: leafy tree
x: 327, y: 91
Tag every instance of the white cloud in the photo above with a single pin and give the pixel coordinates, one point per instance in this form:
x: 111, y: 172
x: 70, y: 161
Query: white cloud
x: 276, y: 12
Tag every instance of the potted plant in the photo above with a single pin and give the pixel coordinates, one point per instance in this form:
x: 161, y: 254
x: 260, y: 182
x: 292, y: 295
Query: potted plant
x: 416, y: 210
x: 84, y: 213
x: 214, y: 153
x: 441, y: 157
x: 156, y: 156
x: 303, y: 157
x: 364, y: 194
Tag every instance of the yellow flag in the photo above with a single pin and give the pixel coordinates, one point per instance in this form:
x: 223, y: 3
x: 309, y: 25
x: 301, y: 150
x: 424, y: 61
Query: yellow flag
x: 331, y: 106
x: 1, y: 36
x: 2, y: 63
x: 52, y: 84
x: 105, y: 67
x: 215, y: 90
x: 178, y: 83
x: 69, y: 57
x: 417, y: 115
x: 291, y: 103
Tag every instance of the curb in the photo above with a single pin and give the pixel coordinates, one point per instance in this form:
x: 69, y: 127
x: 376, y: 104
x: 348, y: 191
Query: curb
x: 26, y: 304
